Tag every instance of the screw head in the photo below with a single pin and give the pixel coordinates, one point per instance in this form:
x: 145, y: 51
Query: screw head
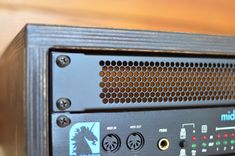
x: 63, y: 103
x: 63, y: 121
x: 63, y: 61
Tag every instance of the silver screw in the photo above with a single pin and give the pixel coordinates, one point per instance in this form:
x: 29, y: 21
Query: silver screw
x: 63, y: 103
x: 63, y: 121
x: 63, y: 61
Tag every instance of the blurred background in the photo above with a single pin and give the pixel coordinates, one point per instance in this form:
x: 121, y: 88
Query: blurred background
x: 197, y: 16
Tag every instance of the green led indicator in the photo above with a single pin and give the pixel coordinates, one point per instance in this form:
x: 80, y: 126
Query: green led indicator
x: 194, y: 145
x: 204, y: 144
x: 232, y: 141
x: 225, y: 142
x: 217, y: 143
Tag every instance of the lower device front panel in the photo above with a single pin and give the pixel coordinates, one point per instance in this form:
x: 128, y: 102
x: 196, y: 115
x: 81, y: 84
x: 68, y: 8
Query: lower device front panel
x: 188, y: 132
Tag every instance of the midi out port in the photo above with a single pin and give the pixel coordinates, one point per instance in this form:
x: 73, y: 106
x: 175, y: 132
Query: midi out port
x: 163, y: 144
x: 135, y: 141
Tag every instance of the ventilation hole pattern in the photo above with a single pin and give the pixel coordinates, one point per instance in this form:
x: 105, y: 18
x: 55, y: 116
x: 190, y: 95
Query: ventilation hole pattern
x: 147, y: 82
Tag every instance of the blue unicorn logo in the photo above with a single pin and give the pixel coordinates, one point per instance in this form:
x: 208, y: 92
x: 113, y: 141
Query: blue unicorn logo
x: 85, y: 139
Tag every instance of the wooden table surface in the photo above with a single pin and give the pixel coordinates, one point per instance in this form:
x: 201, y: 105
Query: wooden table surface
x: 197, y: 16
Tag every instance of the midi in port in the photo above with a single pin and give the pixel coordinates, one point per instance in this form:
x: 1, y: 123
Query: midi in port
x: 111, y: 143
x: 163, y: 144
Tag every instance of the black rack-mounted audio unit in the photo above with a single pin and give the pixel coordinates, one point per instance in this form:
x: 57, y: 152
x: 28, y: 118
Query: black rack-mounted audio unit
x: 95, y: 92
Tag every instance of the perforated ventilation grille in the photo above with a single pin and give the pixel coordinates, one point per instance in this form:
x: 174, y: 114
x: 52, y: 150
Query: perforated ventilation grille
x: 147, y: 82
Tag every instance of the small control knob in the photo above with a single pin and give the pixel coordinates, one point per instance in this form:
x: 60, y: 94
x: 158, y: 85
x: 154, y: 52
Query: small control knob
x: 183, y: 144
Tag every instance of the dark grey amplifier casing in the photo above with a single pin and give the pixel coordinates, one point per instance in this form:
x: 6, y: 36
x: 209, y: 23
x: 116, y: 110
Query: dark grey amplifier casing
x: 204, y: 132
x: 152, y: 63
x: 94, y: 81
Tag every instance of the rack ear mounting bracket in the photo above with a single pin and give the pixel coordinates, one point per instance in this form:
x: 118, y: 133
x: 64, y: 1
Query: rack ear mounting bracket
x: 117, y: 92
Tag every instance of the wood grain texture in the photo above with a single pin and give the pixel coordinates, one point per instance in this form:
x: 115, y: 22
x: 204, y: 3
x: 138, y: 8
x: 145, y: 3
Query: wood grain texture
x: 12, y: 99
x: 152, y: 41
x: 201, y: 16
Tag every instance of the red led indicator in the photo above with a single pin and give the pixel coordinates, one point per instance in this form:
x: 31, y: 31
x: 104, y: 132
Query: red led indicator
x: 194, y: 138
x: 225, y: 135
x: 232, y: 135
x: 204, y: 137
x: 218, y: 136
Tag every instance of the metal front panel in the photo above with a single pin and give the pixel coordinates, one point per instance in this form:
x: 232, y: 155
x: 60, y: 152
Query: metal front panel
x: 204, y: 132
x: 93, y: 81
